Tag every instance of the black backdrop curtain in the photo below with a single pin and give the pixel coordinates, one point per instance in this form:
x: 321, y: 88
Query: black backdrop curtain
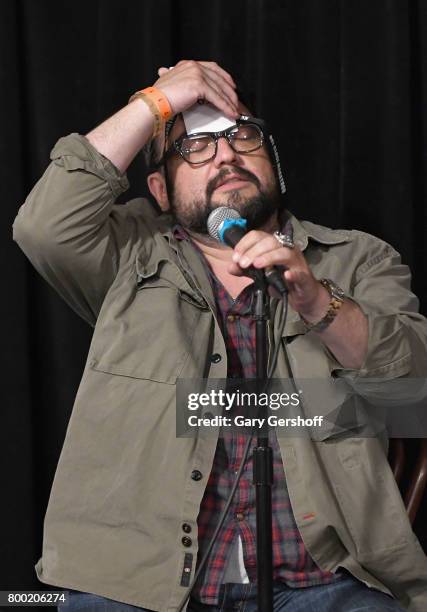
x: 343, y: 83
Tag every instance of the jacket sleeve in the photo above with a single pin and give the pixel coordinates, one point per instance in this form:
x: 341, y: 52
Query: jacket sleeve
x: 70, y: 228
x: 397, y: 342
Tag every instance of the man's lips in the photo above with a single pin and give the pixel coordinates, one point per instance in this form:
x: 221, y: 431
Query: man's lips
x: 232, y: 182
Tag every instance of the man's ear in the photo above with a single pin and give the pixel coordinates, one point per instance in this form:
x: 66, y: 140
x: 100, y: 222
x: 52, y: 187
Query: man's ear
x: 157, y: 186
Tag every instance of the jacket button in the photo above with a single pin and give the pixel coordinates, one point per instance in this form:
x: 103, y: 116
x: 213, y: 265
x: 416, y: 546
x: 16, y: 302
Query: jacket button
x: 216, y: 358
x: 186, y: 528
x: 196, y: 475
x: 186, y: 541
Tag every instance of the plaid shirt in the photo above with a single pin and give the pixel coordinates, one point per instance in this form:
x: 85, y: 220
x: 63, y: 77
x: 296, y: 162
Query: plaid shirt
x: 292, y: 563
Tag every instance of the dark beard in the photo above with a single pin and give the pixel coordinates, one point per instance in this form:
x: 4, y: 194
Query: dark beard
x: 256, y: 210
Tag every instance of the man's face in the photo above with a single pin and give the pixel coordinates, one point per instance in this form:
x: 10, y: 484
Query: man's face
x: 245, y: 182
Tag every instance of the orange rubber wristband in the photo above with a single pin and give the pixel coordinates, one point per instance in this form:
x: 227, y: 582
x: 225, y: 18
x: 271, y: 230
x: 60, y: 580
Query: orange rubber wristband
x: 158, y: 124
x: 159, y: 99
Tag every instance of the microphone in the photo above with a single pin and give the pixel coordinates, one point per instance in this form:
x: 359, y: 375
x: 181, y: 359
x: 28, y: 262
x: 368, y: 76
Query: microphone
x: 227, y: 226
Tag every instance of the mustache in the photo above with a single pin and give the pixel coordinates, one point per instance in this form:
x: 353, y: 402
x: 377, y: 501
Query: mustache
x: 222, y: 174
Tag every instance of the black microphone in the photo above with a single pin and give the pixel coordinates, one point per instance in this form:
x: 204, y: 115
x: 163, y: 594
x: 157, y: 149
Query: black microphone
x: 227, y: 226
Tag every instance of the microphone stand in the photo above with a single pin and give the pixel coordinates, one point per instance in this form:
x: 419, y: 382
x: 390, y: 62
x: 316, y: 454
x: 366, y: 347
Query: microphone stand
x: 263, y: 456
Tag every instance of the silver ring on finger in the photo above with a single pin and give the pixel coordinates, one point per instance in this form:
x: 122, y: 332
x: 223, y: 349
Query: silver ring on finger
x: 284, y: 240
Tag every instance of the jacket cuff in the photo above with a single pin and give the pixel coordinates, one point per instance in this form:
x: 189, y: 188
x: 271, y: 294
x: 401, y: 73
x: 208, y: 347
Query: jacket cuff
x: 389, y: 352
x: 75, y: 152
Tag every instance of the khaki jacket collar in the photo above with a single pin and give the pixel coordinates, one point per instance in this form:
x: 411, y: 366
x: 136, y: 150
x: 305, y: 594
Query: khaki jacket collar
x: 305, y: 231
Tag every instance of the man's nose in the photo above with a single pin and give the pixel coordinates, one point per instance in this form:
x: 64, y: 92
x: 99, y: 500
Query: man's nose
x: 224, y: 153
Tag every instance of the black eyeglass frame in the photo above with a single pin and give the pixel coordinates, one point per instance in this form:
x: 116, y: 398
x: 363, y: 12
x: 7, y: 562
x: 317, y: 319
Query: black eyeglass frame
x: 175, y: 147
x: 267, y: 138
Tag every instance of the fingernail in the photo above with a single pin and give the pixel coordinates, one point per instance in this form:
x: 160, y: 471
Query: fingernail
x: 244, y: 262
x: 236, y: 257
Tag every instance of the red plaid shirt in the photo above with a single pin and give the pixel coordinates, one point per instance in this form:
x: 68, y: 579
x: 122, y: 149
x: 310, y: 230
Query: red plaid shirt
x: 292, y: 563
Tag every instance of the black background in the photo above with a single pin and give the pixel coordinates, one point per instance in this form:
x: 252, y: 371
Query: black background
x: 342, y: 83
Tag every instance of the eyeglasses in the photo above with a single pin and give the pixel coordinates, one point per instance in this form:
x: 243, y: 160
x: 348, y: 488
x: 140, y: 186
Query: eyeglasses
x: 244, y: 137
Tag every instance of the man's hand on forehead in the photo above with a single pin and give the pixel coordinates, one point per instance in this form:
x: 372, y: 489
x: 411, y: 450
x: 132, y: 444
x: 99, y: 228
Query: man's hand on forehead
x: 190, y: 81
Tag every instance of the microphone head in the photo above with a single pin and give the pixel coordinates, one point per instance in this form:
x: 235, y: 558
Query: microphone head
x: 217, y: 218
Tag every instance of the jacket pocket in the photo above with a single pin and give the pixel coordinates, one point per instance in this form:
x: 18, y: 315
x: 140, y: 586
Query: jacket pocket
x: 369, y: 498
x: 146, y: 332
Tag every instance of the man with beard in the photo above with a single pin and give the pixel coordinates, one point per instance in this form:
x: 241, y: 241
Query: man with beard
x: 132, y: 505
